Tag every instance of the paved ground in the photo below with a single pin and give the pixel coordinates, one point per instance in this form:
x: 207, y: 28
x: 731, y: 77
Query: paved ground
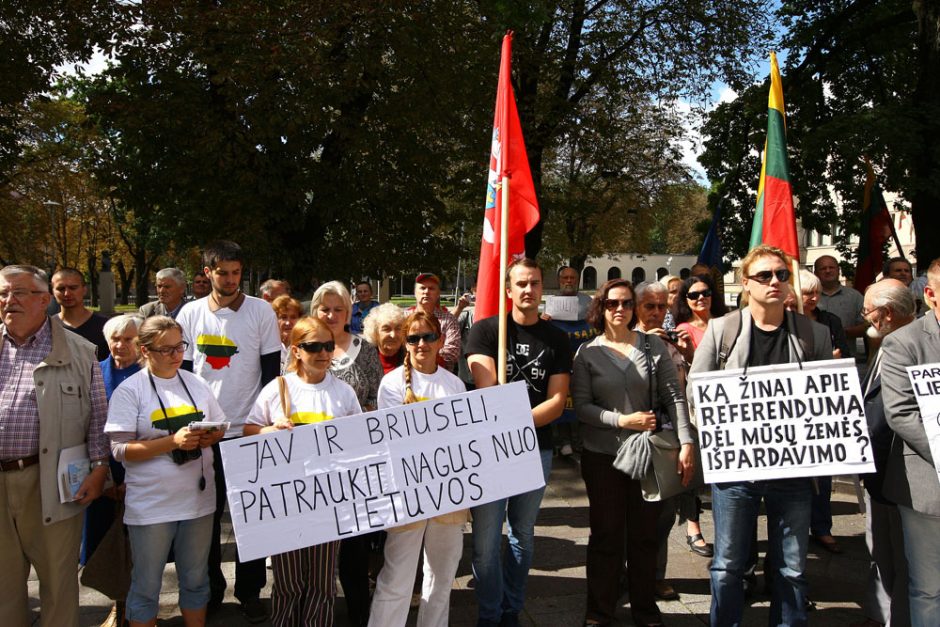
x: 557, y: 582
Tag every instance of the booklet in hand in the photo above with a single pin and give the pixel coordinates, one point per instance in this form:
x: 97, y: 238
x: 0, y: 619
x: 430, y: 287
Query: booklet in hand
x: 206, y: 425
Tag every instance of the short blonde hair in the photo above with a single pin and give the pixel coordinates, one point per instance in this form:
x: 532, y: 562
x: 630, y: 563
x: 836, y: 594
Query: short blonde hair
x: 336, y: 289
x: 763, y: 250
x: 283, y: 304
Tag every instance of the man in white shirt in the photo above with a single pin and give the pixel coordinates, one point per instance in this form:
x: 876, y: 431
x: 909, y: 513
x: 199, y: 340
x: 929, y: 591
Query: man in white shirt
x: 235, y: 346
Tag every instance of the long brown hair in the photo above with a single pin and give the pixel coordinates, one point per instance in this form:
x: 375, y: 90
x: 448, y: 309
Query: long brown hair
x: 416, y: 317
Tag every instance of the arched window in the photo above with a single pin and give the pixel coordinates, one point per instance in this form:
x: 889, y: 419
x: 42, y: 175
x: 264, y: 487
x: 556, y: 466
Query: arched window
x: 589, y: 278
x: 639, y: 275
x: 661, y: 272
x: 613, y: 273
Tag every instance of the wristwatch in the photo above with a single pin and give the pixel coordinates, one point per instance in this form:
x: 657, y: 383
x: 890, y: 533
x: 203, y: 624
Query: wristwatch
x: 98, y: 463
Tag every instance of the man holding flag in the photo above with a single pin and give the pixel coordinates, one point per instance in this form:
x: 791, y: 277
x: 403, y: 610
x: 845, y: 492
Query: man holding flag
x: 538, y: 354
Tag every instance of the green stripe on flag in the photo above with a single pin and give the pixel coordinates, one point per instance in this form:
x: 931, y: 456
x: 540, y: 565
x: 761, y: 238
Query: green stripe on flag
x: 775, y: 159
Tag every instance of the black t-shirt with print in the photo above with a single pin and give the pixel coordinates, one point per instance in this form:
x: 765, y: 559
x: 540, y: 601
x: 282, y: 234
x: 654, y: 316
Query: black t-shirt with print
x: 536, y: 352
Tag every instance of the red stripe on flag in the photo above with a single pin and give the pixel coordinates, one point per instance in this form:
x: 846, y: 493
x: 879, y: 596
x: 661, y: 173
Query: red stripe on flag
x: 779, y: 218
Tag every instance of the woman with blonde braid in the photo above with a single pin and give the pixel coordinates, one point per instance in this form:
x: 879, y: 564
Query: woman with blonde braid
x: 304, y: 583
x: 419, y: 379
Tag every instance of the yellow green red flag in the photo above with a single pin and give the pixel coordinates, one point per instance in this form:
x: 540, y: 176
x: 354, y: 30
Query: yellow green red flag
x: 775, y: 219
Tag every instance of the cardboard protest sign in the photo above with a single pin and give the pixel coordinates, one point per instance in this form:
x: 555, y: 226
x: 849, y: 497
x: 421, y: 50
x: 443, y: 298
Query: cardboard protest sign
x: 562, y: 307
x: 926, y: 383
x: 781, y: 421
x: 358, y: 474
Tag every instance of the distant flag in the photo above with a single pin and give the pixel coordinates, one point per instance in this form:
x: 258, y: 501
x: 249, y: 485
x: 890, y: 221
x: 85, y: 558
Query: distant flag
x: 507, y: 159
x: 775, y: 220
x: 877, y: 227
x: 711, y: 247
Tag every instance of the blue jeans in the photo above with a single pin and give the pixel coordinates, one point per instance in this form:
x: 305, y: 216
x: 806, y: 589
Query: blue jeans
x: 736, y: 507
x: 923, y: 565
x: 150, y: 545
x: 501, y: 587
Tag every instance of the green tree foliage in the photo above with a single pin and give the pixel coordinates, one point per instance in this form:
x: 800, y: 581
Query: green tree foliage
x: 860, y: 79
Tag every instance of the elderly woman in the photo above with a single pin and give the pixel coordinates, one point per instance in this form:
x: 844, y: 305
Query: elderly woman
x: 672, y: 283
x: 170, y: 483
x: 304, y: 581
x: 288, y: 311
x: 121, y: 334
x: 355, y: 362
x: 620, y: 378
x: 383, y: 330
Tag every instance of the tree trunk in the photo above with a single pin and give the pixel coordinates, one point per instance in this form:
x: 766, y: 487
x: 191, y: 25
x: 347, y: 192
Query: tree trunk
x: 142, y: 284
x: 93, y: 276
x: 126, y: 280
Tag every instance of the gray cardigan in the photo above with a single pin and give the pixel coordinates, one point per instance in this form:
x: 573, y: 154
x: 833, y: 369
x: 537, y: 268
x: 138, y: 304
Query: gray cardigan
x: 602, y: 391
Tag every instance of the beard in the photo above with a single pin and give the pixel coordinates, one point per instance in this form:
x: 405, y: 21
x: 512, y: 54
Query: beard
x: 875, y: 334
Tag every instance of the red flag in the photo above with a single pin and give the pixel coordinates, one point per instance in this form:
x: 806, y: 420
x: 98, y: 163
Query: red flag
x: 507, y: 158
x: 876, y: 229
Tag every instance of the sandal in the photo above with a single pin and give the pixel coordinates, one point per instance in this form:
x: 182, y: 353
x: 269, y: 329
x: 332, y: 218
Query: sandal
x: 705, y: 551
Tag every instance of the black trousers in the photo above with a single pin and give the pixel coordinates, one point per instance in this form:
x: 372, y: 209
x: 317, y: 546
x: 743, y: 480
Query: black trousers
x: 250, y: 577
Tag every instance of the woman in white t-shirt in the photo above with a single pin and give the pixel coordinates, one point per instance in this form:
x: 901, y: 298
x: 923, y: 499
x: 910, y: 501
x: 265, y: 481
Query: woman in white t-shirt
x: 419, y: 379
x: 170, y: 495
x: 304, y: 582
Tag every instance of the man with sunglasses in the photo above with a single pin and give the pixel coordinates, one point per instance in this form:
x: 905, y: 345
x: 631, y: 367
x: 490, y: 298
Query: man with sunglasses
x: 540, y: 355
x: 234, y: 344
x: 911, y: 476
x: 52, y: 398
x: 767, y: 334
x: 845, y: 302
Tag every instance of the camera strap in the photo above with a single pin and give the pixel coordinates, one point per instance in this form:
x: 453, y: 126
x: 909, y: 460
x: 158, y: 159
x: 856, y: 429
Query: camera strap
x: 166, y: 418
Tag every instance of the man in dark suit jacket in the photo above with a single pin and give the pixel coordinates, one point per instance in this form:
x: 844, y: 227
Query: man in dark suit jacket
x: 911, y: 477
x: 889, y: 306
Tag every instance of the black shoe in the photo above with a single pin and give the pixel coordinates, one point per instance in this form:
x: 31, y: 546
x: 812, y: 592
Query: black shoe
x: 705, y: 551
x: 509, y: 619
x: 254, y: 610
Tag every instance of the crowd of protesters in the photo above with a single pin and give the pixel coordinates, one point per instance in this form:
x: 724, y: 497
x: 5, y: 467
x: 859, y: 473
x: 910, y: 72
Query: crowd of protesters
x: 130, y: 388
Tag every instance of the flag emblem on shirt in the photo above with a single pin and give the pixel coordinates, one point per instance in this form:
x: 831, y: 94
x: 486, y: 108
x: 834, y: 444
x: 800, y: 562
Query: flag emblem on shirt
x: 176, y: 417
x: 218, y: 350
x: 309, y: 417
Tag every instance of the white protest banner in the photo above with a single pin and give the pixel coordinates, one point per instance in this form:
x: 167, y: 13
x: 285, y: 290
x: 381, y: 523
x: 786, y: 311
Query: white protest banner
x: 926, y: 383
x: 781, y: 421
x: 562, y: 307
x: 358, y: 474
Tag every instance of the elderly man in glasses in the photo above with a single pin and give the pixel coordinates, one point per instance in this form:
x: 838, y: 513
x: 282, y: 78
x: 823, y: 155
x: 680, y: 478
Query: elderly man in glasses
x: 766, y: 334
x: 52, y: 398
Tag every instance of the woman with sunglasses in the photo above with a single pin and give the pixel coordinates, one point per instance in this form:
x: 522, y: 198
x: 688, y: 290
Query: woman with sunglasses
x: 696, y: 304
x: 170, y: 483
x: 419, y: 379
x: 304, y: 583
x: 355, y: 362
x: 619, y: 379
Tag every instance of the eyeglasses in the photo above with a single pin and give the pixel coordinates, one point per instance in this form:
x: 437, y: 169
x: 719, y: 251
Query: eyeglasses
x: 415, y: 339
x: 317, y: 347
x: 166, y: 351
x: 764, y: 276
x: 868, y: 312
x: 698, y: 295
x: 612, y: 304
x: 20, y: 294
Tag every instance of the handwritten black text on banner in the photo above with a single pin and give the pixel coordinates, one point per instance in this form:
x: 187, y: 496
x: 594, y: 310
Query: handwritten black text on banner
x: 925, y: 380
x: 358, y: 474
x: 782, y: 421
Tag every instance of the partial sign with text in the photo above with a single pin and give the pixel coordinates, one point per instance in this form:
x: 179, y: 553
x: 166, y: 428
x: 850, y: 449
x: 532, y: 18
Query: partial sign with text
x: 925, y: 381
x: 775, y: 422
x: 358, y: 474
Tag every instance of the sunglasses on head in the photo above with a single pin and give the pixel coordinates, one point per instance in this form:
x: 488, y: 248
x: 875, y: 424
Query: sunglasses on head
x: 611, y: 304
x: 764, y: 276
x: 316, y: 347
x: 700, y: 294
x: 416, y: 338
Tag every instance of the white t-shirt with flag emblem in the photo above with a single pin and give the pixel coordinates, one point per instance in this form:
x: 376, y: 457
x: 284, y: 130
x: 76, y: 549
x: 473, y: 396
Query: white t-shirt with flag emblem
x: 425, y: 386
x: 226, y: 346
x: 309, y: 402
x: 159, y: 490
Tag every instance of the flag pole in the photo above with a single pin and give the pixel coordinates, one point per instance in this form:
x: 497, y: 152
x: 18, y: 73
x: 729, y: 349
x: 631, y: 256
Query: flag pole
x: 503, y: 254
x: 797, y: 287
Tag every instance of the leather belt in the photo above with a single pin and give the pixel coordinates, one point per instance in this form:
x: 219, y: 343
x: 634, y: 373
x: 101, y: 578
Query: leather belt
x: 18, y: 464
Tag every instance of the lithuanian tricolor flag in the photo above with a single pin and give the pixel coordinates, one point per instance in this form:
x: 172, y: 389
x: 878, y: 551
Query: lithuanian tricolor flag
x: 775, y: 220
x: 218, y: 350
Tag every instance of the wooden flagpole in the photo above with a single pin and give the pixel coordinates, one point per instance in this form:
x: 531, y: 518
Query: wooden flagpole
x: 503, y: 254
